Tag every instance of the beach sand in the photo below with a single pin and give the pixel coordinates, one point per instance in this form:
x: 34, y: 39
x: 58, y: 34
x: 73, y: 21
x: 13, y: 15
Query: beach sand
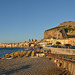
x: 28, y: 66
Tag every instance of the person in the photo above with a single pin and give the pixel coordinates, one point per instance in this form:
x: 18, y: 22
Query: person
x: 47, y: 52
x: 68, y: 47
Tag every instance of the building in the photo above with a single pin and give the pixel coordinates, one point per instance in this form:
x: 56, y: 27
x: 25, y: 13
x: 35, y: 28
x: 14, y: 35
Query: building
x: 70, y: 41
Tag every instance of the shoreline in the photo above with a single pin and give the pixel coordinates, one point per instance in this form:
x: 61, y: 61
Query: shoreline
x: 25, y: 49
x: 4, y: 51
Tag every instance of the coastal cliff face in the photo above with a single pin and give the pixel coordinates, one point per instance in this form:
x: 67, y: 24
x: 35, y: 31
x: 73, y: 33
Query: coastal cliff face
x: 64, y: 30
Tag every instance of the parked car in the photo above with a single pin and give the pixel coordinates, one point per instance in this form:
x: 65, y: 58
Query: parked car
x: 65, y: 46
x: 72, y: 47
x: 54, y: 46
x: 58, y: 46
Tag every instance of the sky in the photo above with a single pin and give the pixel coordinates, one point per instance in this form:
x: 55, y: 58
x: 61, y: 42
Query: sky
x: 24, y: 19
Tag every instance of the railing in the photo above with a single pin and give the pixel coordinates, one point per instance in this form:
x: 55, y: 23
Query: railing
x: 64, y: 61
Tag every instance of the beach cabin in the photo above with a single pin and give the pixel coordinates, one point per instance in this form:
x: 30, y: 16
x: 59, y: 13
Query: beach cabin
x: 43, y: 52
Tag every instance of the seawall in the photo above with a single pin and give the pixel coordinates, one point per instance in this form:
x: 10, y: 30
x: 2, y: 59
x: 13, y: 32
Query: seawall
x: 61, y: 50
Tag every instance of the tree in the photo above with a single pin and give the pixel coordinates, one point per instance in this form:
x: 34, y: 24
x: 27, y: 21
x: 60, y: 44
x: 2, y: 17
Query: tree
x: 58, y: 43
x: 54, y: 37
x: 67, y: 44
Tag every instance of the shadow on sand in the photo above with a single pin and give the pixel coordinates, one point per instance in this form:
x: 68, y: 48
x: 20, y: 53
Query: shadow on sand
x: 4, y: 72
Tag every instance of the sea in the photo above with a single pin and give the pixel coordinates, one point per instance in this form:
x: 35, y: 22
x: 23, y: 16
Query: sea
x: 4, y: 51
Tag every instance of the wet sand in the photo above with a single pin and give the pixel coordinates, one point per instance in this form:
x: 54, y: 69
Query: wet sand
x: 28, y: 66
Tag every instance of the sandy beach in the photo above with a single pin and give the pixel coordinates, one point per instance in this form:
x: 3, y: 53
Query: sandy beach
x: 28, y: 66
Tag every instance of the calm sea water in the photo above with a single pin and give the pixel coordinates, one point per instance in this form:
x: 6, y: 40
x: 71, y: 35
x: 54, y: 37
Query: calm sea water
x: 4, y: 51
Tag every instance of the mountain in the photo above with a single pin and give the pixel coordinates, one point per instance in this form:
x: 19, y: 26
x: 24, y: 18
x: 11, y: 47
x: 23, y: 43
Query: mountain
x: 64, y: 30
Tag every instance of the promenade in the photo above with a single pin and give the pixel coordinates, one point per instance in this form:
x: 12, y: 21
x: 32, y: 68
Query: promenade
x: 29, y: 66
x: 61, y: 50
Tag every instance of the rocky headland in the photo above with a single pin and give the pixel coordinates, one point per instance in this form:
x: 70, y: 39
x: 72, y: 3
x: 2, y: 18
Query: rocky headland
x: 64, y: 30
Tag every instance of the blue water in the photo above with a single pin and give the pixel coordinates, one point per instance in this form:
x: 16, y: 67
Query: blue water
x: 4, y: 51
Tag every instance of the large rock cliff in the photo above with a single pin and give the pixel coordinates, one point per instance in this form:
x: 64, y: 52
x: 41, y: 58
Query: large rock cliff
x: 64, y: 30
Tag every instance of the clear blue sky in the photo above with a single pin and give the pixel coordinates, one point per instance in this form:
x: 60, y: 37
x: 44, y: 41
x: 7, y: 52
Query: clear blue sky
x: 24, y: 19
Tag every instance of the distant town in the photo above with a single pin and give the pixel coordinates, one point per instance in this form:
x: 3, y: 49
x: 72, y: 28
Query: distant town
x: 20, y: 44
x: 42, y: 43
